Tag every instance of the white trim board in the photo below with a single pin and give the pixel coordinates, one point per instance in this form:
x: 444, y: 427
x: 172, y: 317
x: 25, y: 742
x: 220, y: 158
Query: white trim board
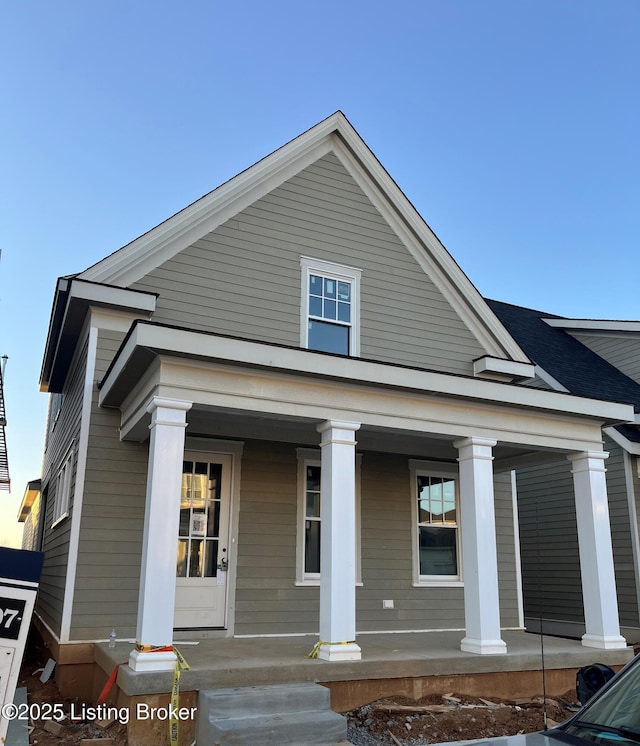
x: 333, y: 135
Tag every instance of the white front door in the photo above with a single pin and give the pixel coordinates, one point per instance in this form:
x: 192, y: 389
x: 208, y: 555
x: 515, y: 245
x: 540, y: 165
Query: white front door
x: 203, y: 541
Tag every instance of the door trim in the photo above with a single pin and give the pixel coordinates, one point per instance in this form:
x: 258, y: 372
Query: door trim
x: 210, y: 448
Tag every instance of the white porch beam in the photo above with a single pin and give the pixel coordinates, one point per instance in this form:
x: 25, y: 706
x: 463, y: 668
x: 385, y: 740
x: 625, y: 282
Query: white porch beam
x: 156, y: 600
x: 596, y: 553
x: 479, y: 551
x: 337, y: 541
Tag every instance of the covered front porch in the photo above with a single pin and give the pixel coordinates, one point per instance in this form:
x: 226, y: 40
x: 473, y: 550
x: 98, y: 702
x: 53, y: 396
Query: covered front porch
x: 263, y: 404
x: 410, y: 664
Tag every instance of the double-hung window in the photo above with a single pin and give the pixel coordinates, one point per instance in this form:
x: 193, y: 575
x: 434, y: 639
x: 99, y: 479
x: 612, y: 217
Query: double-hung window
x: 310, y: 520
x: 436, y: 525
x: 330, y: 309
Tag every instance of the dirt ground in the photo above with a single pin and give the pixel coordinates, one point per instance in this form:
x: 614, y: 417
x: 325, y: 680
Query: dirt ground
x: 452, y: 717
x: 432, y: 719
x: 71, y: 732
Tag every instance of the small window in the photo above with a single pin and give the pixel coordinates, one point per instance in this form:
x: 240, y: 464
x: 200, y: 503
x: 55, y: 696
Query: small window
x: 329, y: 308
x: 436, y: 534
x: 310, y: 527
x: 55, y: 405
x: 63, y: 489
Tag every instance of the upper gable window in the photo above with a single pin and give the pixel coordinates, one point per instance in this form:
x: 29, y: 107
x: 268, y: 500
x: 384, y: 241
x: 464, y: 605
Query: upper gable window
x: 330, y: 308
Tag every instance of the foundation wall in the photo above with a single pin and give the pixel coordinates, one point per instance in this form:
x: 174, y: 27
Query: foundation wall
x: 347, y: 695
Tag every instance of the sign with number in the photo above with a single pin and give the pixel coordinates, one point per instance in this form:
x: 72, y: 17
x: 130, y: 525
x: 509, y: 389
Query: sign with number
x: 11, y: 613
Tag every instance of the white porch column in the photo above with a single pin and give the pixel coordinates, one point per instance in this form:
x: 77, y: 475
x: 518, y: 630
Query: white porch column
x: 161, y: 520
x: 338, y: 541
x: 596, y: 553
x: 479, y: 552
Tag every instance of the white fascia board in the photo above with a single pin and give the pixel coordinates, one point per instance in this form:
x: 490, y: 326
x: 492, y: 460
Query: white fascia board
x: 503, y: 367
x: 334, y: 134
x: 600, y: 325
x: 109, y: 295
x: 426, y: 248
x: 161, y: 243
x: 549, y: 379
x: 86, y: 294
x: 628, y: 445
x: 207, y: 347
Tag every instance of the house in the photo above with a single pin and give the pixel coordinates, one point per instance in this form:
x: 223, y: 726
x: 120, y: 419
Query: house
x: 599, y: 359
x: 286, y: 410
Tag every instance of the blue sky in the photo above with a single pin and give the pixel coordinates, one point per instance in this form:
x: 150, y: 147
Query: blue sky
x: 511, y: 125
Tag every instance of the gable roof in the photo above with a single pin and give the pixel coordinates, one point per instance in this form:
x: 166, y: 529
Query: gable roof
x: 572, y: 364
x: 333, y: 135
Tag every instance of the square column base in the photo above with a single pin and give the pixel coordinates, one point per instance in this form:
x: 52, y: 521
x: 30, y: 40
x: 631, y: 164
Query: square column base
x: 164, y: 661
x: 483, y: 647
x: 604, y: 642
x: 347, y: 652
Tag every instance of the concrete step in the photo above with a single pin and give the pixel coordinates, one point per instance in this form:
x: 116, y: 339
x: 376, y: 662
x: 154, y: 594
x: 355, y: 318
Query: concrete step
x: 297, y: 714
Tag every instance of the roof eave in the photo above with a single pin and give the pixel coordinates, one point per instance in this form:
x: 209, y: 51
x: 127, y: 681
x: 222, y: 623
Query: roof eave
x: 72, y: 300
x: 32, y: 491
x: 147, y: 340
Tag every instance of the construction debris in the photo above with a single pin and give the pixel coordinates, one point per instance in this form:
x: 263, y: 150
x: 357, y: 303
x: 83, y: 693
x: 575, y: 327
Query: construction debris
x: 51, y: 726
x: 454, y: 717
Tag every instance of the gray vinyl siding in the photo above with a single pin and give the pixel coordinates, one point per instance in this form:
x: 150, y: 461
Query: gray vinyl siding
x: 387, y: 555
x: 621, y: 536
x: 269, y: 602
x: 110, y: 546
x: 550, y: 558
x: 623, y: 351
x: 552, y: 580
x: 244, y: 278
x: 62, y: 435
x: 507, y: 557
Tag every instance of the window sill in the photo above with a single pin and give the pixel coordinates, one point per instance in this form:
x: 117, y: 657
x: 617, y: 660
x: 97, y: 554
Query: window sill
x: 60, y: 519
x: 438, y: 584
x: 316, y: 583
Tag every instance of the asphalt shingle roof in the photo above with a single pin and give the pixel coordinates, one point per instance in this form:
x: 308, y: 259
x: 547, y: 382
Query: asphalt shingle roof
x: 571, y: 363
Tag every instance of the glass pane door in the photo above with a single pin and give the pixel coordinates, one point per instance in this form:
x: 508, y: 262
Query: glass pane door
x: 199, y: 533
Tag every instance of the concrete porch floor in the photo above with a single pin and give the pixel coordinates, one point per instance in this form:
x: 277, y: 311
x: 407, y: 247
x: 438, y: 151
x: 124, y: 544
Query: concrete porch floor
x: 235, y: 662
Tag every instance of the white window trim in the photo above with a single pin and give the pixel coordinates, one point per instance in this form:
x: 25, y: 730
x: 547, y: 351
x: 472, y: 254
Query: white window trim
x: 433, y: 469
x: 312, y: 457
x: 56, y: 406
x: 337, y: 272
x: 63, y: 488
x: 53, y: 414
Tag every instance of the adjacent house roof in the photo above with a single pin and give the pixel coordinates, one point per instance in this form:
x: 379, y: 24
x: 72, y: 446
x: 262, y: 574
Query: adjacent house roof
x: 574, y: 366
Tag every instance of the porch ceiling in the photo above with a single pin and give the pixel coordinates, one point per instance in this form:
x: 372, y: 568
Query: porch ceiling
x: 205, y: 423
x: 245, y: 386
